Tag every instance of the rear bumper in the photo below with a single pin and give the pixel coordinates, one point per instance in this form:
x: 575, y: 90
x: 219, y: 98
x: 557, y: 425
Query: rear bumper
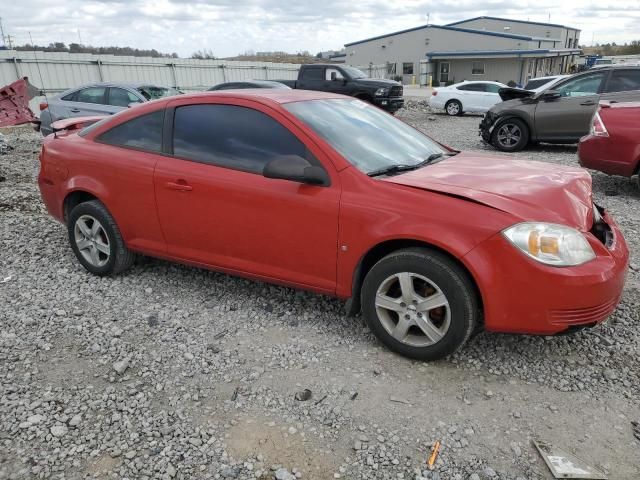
x: 390, y: 104
x: 600, y: 153
x: 521, y: 295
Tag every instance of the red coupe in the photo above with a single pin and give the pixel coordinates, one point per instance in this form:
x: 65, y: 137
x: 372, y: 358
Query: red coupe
x: 328, y: 193
x: 613, y: 144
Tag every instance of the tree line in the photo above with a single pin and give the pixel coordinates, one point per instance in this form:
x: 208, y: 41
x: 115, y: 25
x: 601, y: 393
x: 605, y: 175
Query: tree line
x: 631, y: 48
x: 79, y: 48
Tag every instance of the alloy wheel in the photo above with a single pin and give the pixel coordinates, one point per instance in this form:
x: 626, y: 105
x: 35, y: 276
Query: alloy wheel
x: 509, y: 135
x: 413, y: 309
x: 92, y: 241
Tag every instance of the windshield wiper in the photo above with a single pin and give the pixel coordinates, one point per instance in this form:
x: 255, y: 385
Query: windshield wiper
x: 405, y: 168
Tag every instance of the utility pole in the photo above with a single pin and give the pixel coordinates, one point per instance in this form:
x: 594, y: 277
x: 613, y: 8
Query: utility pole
x: 2, y: 32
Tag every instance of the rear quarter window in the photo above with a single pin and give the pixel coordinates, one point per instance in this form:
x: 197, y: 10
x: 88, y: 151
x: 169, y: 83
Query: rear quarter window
x: 141, y: 133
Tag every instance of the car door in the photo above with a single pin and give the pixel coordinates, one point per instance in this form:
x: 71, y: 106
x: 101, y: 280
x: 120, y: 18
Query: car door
x: 216, y: 207
x: 87, y: 102
x: 335, y: 81
x: 568, y: 117
x: 119, y: 99
x: 470, y: 94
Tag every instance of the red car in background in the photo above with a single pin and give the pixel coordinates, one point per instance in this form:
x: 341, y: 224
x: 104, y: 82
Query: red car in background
x: 613, y: 144
x: 331, y: 194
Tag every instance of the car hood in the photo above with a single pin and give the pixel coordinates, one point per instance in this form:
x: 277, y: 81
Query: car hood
x: 378, y: 82
x: 528, y: 190
x: 514, y: 93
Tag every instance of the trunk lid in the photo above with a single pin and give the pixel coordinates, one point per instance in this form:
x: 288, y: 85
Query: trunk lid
x: 528, y: 190
x: 75, y: 123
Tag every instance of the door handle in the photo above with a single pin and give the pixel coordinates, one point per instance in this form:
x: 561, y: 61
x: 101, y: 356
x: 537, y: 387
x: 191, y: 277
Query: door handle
x: 588, y: 103
x: 75, y: 110
x: 179, y: 185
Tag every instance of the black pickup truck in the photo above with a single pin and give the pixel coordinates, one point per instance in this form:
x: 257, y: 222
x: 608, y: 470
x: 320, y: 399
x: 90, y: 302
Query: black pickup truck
x: 347, y: 80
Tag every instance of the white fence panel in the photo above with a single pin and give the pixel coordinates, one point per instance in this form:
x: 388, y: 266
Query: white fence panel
x: 54, y: 72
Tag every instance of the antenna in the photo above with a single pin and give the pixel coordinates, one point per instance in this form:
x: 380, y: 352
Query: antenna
x: 44, y: 91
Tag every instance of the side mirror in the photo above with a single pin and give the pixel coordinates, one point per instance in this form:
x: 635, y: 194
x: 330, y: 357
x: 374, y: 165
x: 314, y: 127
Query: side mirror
x: 550, y: 95
x: 296, y: 169
x: 133, y: 104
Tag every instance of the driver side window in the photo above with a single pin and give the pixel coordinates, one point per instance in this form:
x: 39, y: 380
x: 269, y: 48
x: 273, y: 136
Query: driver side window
x: 333, y: 74
x: 580, y: 87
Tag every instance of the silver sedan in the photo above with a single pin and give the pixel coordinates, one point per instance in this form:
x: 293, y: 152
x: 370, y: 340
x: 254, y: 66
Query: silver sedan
x: 97, y: 99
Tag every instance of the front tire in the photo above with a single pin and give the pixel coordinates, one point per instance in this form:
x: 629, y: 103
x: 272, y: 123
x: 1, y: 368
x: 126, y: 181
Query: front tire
x: 420, y: 303
x: 510, y: 135
x: 453, y: 108
x: 96, y: 240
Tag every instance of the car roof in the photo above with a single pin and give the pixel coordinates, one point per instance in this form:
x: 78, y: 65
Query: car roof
x: 274, y: 95
x: 467, y: 82
x: 550, y: 77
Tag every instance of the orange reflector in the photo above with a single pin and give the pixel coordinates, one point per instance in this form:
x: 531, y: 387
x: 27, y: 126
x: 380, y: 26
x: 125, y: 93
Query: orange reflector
x: 549, y: 245
x: 533, y: 243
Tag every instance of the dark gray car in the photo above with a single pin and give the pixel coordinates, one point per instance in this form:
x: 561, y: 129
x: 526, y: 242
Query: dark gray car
x: 98, y: 99
x: 561, y: 113
x: 248, y: 84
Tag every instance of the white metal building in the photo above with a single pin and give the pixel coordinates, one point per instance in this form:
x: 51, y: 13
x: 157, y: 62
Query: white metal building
x: 481, y: 48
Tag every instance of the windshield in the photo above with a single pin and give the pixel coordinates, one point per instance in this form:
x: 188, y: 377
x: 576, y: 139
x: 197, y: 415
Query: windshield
x: 531, y: 84
x: 153, y: 93
x: 353, y: 72
x: 364, y: 135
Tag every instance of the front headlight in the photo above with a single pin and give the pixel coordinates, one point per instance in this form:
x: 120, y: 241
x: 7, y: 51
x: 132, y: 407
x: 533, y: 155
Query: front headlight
x: 551, y: 244
x: 382, y: 92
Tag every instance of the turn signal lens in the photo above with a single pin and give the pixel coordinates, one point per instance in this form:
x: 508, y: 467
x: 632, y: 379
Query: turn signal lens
x: 434, y: 93
x: 597, y: 126
x: 43, y: 106
x: 551, y: 244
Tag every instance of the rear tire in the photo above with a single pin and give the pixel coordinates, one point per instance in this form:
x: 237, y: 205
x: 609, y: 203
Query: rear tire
x: 453, y: 108
x: 510, y: 135
x: 420, y: 303
x: 96, y: 240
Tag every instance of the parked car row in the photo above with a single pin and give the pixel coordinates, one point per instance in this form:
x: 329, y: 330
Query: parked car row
x: 110, y: 98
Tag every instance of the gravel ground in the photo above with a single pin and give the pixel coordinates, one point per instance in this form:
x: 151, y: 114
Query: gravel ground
x: 170, y: 372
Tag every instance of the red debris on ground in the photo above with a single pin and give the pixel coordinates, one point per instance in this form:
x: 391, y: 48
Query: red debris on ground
x: 14, y: 104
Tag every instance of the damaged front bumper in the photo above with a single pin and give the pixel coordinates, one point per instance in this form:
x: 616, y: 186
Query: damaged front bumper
x: 487, y: 125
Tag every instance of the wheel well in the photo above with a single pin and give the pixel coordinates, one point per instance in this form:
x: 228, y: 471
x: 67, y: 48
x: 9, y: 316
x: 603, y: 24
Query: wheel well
x: 382, y: 250
x: 74, y: 199
x: 453, y: 100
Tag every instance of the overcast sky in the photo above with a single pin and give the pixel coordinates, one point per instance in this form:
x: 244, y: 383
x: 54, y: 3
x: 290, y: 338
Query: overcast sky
x: 229, y: 27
